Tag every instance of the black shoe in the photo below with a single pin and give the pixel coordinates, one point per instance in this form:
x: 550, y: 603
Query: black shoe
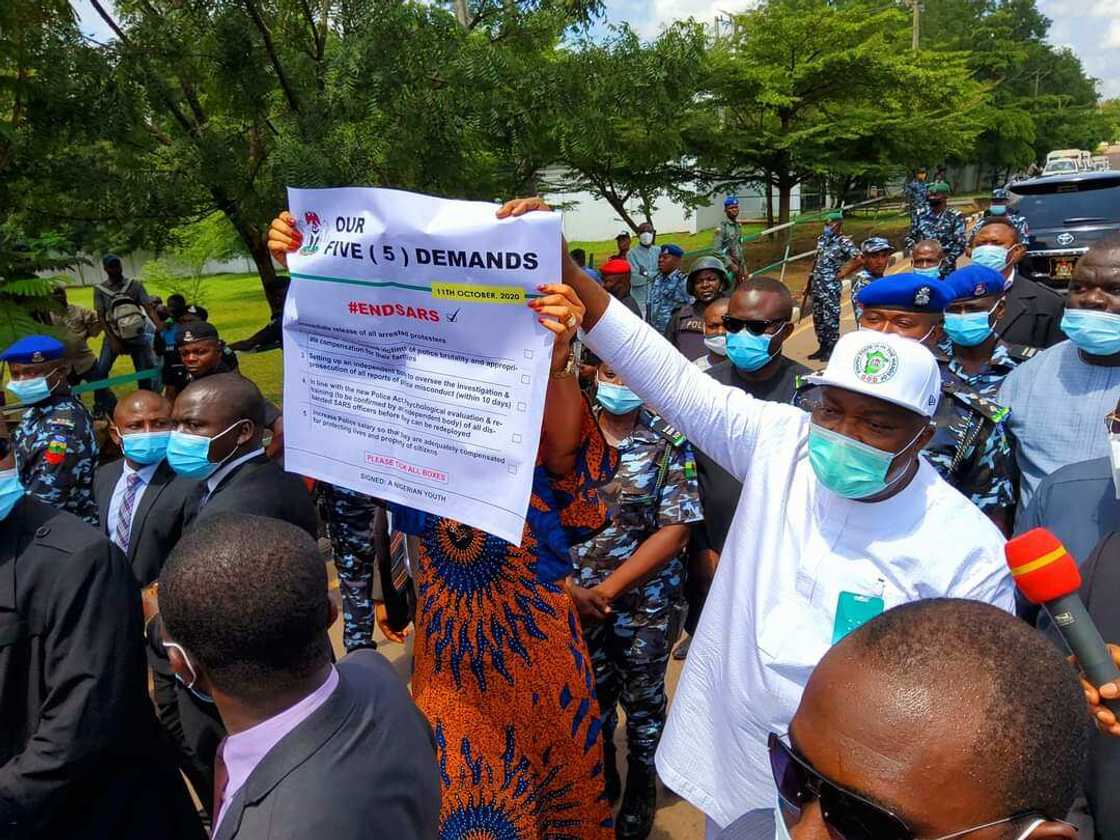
x: 610, y: 774
x: 681, y: 653
x: 816, y: 355
x: 639, y: 804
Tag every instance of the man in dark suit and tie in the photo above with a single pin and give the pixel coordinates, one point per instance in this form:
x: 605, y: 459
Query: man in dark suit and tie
x: 141, y: 503
x: 217, y: 439
x: 314, y: 749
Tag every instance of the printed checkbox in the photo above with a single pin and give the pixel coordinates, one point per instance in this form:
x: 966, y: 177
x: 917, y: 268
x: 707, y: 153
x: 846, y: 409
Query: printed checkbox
x: 528, y: 354
x: 517, y: 438
x: 521, y: 406
x: 513, y: 469
x: 525, y: 380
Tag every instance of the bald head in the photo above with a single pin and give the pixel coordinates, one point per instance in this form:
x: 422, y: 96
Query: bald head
x: 224, y: 398
x: 951, y: 696
x: 141, y: 402
x: 927, y: 253
x: 1101, y: 262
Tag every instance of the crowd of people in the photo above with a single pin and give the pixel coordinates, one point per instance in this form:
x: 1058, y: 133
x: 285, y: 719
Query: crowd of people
x: 824, y: 548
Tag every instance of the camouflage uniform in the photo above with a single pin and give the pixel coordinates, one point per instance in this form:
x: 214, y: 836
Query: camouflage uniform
x: 970, y: 448
x: 947, y: 228
x: 860, y: 279
x: 56, y: 453
x: 655, y: 486
x: 727, y: 242
x: 1005, y: 358
x: 666, y: 294
x: 350, y: 525
x: 833, y: 251
x: 917, y: 197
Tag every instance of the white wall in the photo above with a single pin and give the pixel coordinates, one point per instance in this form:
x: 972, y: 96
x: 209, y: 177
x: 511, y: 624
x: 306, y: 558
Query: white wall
x: 133, y: 264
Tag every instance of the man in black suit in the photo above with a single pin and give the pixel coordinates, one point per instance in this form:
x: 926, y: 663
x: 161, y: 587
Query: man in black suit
x: 1033, y: 313
x: 237, y: 476
x: 80, y: 752
x: 314, y: 749
x: 141, y: 503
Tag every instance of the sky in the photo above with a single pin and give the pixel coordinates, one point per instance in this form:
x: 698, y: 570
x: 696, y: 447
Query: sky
x: 1090, y: 27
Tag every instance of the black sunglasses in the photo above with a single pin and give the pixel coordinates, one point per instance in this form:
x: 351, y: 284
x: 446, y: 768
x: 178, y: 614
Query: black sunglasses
x: 846, y: 815
x: 734, y: 325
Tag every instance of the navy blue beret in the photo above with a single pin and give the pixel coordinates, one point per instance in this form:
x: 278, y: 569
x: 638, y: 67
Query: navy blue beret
x: 675, y: 250
x: 914, y: 292
x: 974, y: 281
x: 32, y: 349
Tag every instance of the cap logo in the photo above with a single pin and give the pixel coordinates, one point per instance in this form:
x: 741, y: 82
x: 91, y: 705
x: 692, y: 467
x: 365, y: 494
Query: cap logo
x: 37, y: 356
x: 876, y: 364
x: 922, y: 296
x: 979, y: 290
x: 188, y: 337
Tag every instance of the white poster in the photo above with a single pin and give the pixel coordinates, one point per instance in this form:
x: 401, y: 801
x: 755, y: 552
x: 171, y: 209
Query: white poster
x: 413, y: 370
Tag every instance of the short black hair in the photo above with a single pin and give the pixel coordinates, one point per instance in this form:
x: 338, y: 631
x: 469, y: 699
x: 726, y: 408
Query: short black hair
x: 1032, y: 737
x: 241, y: 398
x: 176, y: 298
x: 988, y: 221
x: 247, y: 597
x: 766, y: 283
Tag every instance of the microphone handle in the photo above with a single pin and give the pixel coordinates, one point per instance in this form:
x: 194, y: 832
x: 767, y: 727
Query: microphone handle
x: 1072, y: 620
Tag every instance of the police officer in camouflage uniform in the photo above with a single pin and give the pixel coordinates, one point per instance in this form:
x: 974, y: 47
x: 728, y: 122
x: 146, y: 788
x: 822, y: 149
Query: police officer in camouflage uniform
x: 970, y: 448
x: 978, y: 357
x: 727, y: 241
x: 55, y: 448
x: 917, y: 194
x: 834, y: 250
x: 942, y: 223
x: 998, y: 209
x: 627, y: 587
x: 874, y: 257
x: 667, y: 291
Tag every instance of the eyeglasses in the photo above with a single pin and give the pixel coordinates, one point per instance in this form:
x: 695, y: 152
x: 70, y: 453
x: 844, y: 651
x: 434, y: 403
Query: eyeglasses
x: 734, y: 325
x: 1112, y: 423
x: 846, y: 815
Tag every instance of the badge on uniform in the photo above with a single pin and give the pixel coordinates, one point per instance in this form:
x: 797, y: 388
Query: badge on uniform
x: 56, y: 450
x: 853, y: 611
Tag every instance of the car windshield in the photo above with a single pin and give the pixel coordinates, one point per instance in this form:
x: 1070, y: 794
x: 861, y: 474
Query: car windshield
x: 1061, y: 166
x: 1071, y: 204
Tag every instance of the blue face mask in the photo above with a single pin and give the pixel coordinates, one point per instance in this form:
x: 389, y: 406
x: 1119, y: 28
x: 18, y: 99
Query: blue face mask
x: 998, y: 209
x: 189, y: 455
x: 145, y: 447
x: 970, y: 328
x: 990, y: 256
x: 748, y: 351
x: 617, y: 399
x: 932, y: 271
x: 1097, y: 333
x: 848, y: 467
x: 30, y: 391
x: 11, y: 491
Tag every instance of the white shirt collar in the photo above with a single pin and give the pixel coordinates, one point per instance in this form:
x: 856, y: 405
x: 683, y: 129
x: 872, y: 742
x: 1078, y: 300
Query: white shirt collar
x: 225, y: 469
x: 145, y: 472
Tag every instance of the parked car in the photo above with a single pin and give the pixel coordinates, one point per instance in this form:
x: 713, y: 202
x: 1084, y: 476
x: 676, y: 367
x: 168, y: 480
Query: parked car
x: 1060, y: 166
x: 1067, y: 214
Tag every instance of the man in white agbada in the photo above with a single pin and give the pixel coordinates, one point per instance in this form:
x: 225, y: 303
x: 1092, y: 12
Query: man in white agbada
x: 838, y: 520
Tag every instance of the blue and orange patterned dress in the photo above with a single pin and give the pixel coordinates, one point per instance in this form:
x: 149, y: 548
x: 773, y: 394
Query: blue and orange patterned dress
x: 502, y: 671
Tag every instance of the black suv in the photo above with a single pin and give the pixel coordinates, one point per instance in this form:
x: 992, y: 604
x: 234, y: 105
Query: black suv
x: 1067, y: 214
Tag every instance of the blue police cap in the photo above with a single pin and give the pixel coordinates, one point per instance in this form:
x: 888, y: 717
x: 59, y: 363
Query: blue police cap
x: 731, y: 201
x: 32, y: 349
x: 1000, y: 194
x: 975, y: 281
x: 875, y: 244
x: 914, y: 292
x: 675, y: 250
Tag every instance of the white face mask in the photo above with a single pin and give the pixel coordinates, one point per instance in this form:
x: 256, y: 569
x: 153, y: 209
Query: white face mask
x: 1114, y: 456
x: 645, y: 238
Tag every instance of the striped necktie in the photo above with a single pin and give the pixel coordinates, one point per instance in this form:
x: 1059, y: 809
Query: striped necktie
x: 124, y: 515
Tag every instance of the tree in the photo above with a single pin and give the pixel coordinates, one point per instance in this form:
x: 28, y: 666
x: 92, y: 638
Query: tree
x: 618, y: 115
x: 810, y: 87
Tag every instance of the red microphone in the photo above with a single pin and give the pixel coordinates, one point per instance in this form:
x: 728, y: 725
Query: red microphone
x: 1047, y: 575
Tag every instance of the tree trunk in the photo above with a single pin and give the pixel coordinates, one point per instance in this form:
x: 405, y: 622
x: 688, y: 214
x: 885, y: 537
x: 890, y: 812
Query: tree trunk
x: 769, y: 200
x: 275, y: 287
x: 785, y: 190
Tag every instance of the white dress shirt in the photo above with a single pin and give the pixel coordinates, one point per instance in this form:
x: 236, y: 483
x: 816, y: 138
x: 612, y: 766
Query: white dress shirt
x: 793, y: 547
x: 225, y: 469
x: 145, y: 472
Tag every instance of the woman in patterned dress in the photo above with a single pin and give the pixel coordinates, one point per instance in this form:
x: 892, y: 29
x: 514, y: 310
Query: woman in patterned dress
x: 500, y: 665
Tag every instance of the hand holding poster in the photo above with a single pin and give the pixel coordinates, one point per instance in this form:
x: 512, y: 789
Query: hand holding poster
x: 413, y: 369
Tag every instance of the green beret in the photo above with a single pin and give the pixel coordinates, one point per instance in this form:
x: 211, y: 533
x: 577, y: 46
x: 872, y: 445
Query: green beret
x: 939, y: 187
x: 835, y: 216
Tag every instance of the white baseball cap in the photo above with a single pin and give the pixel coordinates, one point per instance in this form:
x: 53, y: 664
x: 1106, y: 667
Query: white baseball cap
x: 886, y: 366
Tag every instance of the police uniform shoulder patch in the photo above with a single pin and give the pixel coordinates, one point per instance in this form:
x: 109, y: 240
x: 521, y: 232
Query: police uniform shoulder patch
x: 56, y: 450
x: 663, y: 430
x: 1021, y: 352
